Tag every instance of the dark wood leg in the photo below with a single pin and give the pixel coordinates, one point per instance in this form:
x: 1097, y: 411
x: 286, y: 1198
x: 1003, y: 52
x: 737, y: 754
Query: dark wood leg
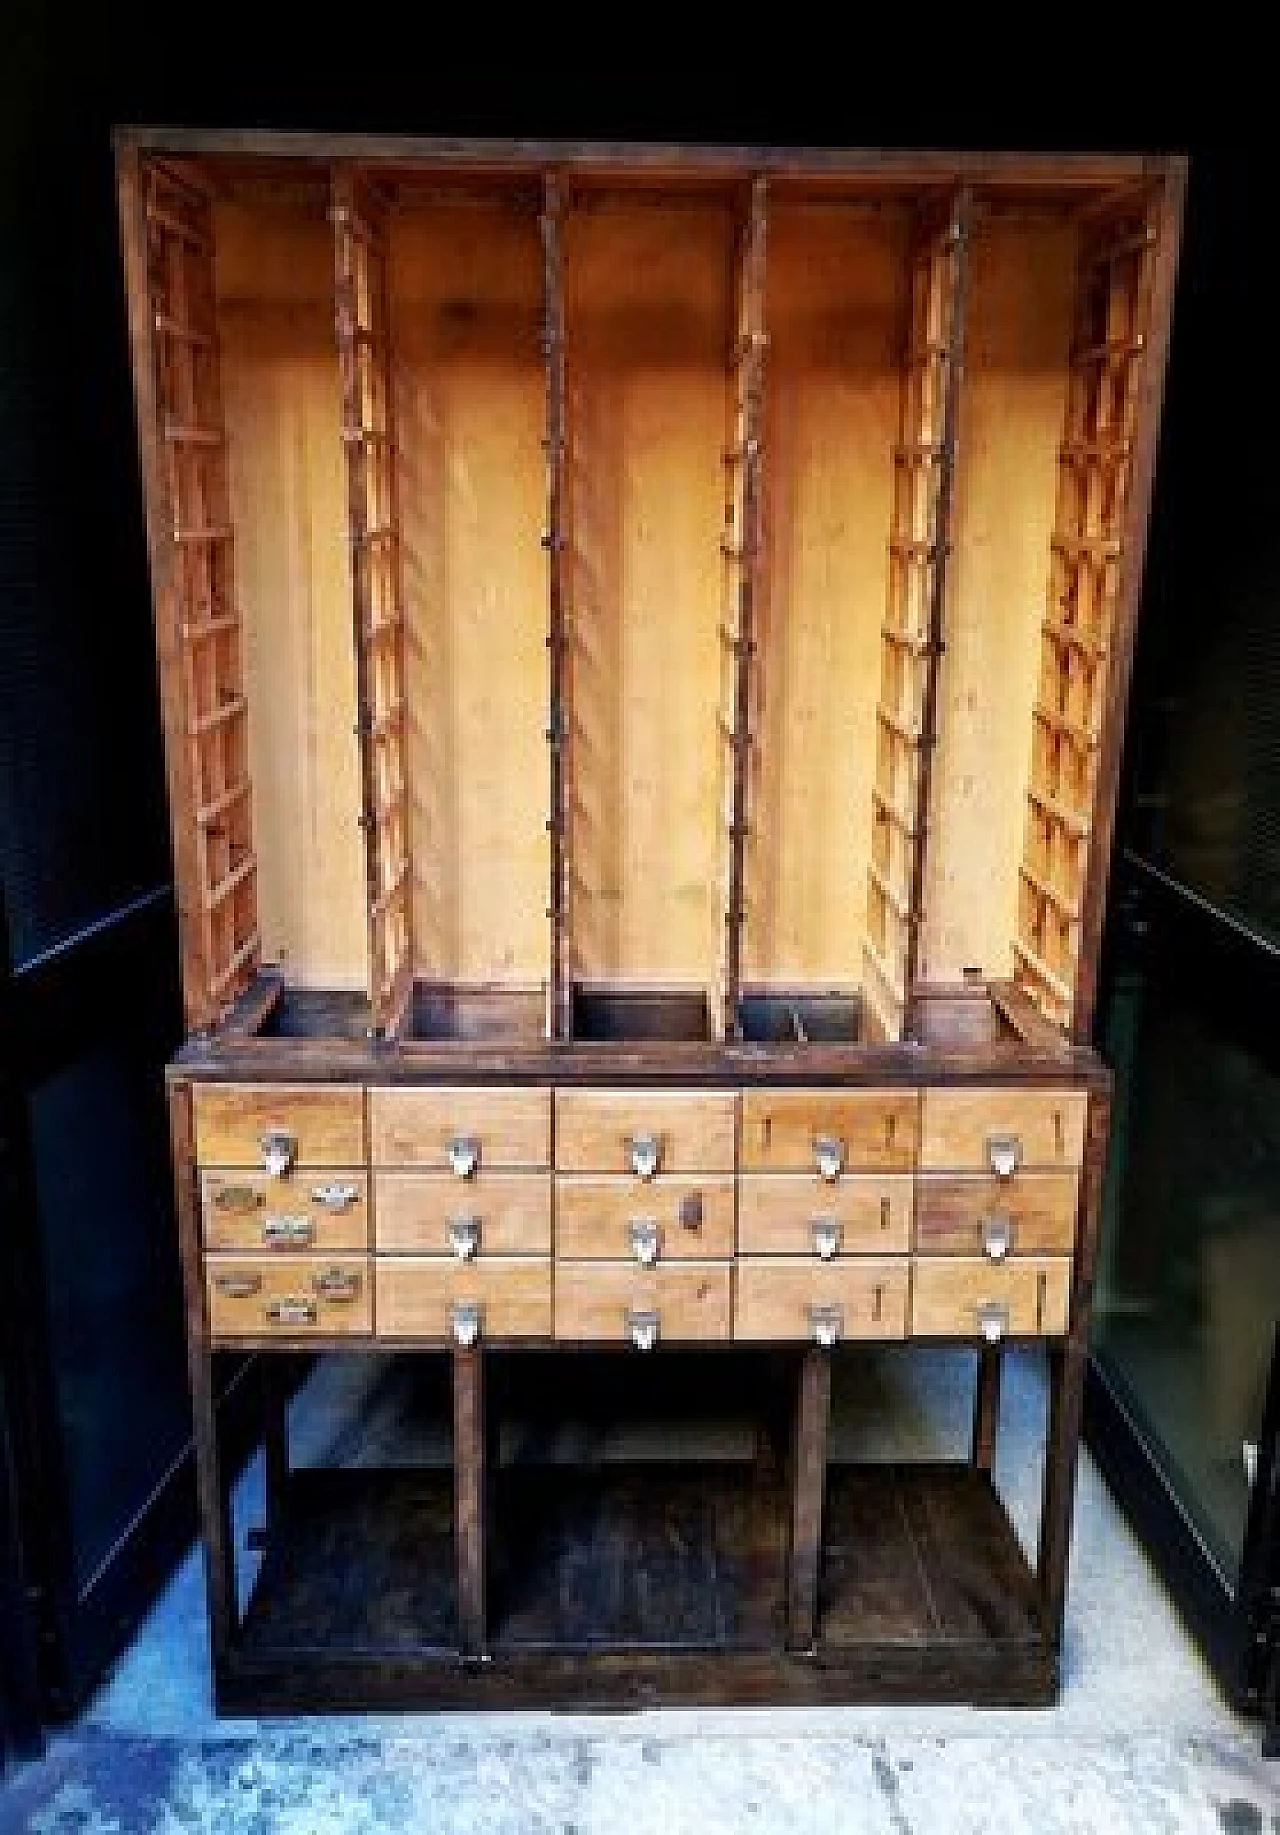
x: 469, y: 1487
x: 986, y: 1407
x: 808, y: 1488
x: 1066, y: 1402
x: 274, y: 1377
x: 212, y: 1487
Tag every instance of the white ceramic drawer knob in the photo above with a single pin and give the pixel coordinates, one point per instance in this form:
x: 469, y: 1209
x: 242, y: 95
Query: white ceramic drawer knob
x: 828, y: 1156
x: 464, y: 1322
x: 464, y: 1155
x: 642, y: 1329
x: 464, y: 1237
x: 644, y: 1151
x: 826, y: 1238
x: 826, y: 1324
x: 279, y: 1151
x: 1004, y: 1154
x: 997, y: 1236
x: 993, y: 1321
x: 645, y: 1240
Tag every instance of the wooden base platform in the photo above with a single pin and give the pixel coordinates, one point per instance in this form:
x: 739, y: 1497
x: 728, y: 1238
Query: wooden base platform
x: 624, y: 1585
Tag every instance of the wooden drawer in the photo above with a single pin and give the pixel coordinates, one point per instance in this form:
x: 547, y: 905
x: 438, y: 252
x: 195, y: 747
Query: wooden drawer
x: 617, y: 1130
x: 442, y: 1129
x: 619, y: 1219
x: 1033, y: 1213
x: 434, y: 1213
x: 801, y: 1214
x: 250, y: 1210
x: 422, y: 1297
x: 319, y: 1124
x: 294, y: 1296
x: 865, y: 1130
x: 793, y: 1299
x: 973, y: 1130
x: 1029, y: 1298
x: 617, y: 1302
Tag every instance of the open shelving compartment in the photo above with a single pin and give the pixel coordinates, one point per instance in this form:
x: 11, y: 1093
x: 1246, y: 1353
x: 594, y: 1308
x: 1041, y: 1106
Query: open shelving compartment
x: 675, y: 611
x: 658, y: 620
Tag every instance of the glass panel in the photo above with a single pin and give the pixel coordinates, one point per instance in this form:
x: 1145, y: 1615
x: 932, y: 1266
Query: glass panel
x: 1189, y: 1277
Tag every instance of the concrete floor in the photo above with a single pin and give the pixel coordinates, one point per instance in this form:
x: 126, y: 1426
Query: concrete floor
x: 1140, y: 1741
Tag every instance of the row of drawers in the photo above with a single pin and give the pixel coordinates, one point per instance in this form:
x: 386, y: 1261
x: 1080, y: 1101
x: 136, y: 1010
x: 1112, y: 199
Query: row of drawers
x: 639, y: 1131
x: 670, y: 1217
x: 779, y: 1300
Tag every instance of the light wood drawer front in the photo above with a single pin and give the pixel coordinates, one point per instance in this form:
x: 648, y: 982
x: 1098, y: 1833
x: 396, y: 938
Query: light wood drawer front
x: 621, y: 1131
x: 622, y: 1304
x: 278, y: 1126
x: 971, y: 1298
x: 249, y: 1210
x: 669, y: 1218
x: 834, y: 1130
x: 986, y: 1130
x: 1033, y: 1213
x: 266, y: 1296
x: 421, y: 1297
x: 433, y: 1213
x: 820, y: 1303
x: 794, y: 1214
x: 445, y: 1129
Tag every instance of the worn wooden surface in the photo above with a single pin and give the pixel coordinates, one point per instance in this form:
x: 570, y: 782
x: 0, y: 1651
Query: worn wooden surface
x: 954, y: 1214
x: 326, y: 1124
x: 243, y: 1291
x: 246, y: 1210
x: 958, y: 1124
x: 511, y: 1128
x: 773, y: 1297
x: 413, y: 1212
x: 695, y: 1131
x: 695, y: 1216
x: 876, y: 1130
x: 593, y: 1300
x: 416, y: 1294
x: 778, y: 1213
x: 948, y: 1293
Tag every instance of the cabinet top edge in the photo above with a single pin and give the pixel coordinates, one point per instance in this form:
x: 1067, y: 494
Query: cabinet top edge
x: 654, y: 158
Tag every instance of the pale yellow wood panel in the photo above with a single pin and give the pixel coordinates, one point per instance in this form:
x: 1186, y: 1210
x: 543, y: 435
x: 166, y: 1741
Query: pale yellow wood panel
x: 1033, y: 1213
x: 791, y: 1213
x: 869, y: 1130
x: 1011, y: 417
x: 604, y: 1130
x: 497, y: 1127
x: 468, y: 387
x: 831, y: 417
x: 597, y: 1300
x: 596, y: 1218
x: 1027, y: 1298
x: 776, y: 1298
x: 417, y: 1212
x: 963, y: 1129
x: 323, y: 1123
x: 288, y: 1296
x: 416, y: 1295
x: 247, y: 1210
x: 282, y: 405
x: 647, y: 293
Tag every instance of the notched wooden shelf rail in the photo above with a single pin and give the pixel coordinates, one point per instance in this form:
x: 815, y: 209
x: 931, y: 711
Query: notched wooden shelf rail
x: 643, y: 635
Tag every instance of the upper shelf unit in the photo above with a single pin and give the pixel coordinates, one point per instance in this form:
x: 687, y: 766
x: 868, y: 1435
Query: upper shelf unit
x: 588, y: 577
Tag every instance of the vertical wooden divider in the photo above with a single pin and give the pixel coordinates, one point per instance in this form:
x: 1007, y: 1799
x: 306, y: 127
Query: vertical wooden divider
x: 924, y: 463
x: 168, y: 230
x: 741, y: 545
x: 368, y: 435
x: 559, y: 1023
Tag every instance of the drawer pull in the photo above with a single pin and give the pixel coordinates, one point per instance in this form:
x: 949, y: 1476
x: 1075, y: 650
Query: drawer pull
x: 279, y: 1151
x: 997, y: 1236
x: 691, y: 1210
x: 464, y: 1155
x: 464, y: 1237
x: 291, y: 1312
x: 826, y: 1324
x: 1004, y: 1154
x: 642, y: 1329
x: 993, y: 1320
x: 464, y: 1322
x: 827, y: 1235
x: 238, y: 1198
x: 645, y: 1154
x: 238, y: 1286
x: 288, y: 1232
x: 828, y: 1155
x: 645, y: 1239
x: 336, y: 1285
x: 336, y: 1195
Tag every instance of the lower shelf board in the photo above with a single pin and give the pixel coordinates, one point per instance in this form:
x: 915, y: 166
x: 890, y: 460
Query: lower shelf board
x: 640, y: 1583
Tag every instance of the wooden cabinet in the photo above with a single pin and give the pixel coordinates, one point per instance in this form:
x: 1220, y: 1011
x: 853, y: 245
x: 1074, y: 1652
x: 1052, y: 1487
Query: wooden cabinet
x: 643, y: 638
